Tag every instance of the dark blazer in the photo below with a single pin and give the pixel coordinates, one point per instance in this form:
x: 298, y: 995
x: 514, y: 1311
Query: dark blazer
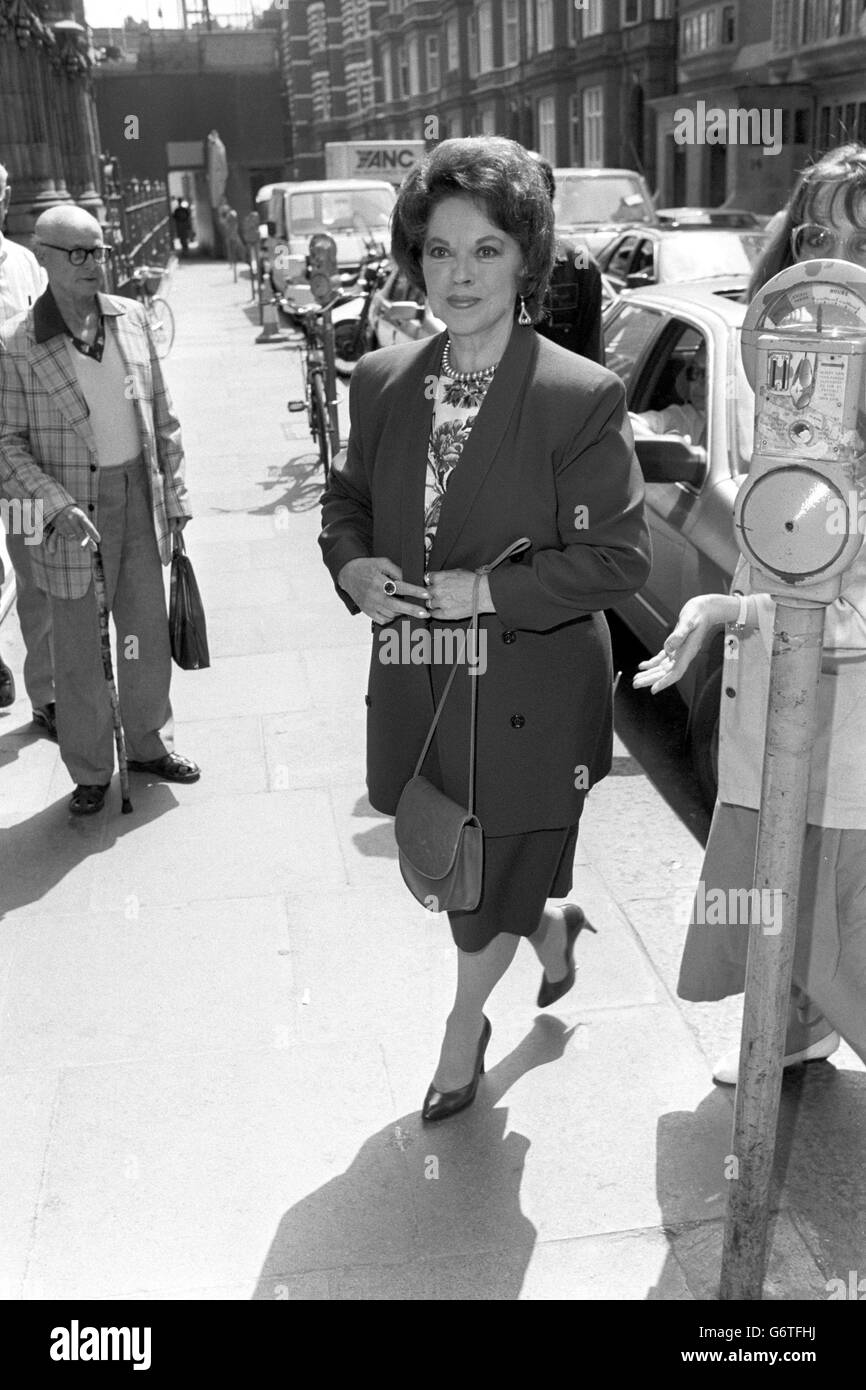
x: 551, y: 437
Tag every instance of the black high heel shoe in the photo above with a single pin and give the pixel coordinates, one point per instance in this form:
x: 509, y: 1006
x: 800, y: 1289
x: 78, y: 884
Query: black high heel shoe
x: 575, y: 923
x: 438, y: 1105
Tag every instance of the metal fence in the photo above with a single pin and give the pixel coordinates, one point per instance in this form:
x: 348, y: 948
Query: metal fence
x: 138, y: 216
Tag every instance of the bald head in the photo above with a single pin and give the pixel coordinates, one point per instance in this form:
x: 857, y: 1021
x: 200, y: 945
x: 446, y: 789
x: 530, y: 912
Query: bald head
x: 63, y: 237
x: 65, y: 225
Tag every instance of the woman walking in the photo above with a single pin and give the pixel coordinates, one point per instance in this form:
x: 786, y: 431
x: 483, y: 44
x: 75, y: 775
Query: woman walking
x: 459, y: 446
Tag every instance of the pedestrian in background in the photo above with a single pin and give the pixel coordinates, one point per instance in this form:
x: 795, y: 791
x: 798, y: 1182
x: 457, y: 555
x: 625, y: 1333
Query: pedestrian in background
x: 826, y: 216
x: 22, y: 280
x: 182, y: 218
x: 459, y: 446
x: 571, y: 312
x: 106, y: 464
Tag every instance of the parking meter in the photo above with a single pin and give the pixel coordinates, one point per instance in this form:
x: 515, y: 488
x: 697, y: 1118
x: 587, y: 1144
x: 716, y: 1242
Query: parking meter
x: 804, y: 353
x: 324, y: 275
x: 796, y: 522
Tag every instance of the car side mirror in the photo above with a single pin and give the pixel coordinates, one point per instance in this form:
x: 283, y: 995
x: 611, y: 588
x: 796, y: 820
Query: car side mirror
x: 636, y: 278
x: 669, y: 459
x: 403, y: 310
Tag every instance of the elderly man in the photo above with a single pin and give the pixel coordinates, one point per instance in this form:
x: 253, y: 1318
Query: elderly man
x: 22, y: 280
x: 87, y: 430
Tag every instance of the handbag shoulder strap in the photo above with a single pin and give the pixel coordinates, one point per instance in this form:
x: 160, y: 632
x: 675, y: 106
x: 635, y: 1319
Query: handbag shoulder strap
x: 515, y: 548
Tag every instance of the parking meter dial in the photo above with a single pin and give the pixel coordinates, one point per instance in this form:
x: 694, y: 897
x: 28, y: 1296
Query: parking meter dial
x: 323, y: 266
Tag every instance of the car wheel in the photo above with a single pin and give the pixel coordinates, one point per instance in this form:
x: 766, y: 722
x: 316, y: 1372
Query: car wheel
x: 704, y: 737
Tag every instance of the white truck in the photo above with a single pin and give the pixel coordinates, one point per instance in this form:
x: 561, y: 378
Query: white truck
x: 372, y: 159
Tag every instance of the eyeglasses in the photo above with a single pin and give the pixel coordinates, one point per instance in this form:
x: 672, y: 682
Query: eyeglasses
x: 78, y: 254
x: 696, y: 373
x: 812, y: 241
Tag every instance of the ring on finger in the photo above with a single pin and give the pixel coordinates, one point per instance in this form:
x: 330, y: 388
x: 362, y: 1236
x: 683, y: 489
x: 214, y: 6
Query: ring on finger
x: 389, y: 588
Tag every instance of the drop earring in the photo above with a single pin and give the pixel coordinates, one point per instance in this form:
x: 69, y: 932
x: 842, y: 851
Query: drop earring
x: 523, y: 317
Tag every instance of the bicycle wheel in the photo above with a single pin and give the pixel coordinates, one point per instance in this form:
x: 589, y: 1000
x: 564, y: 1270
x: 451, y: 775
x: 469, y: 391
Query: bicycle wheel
x: 319, y: 422
x: 162, y: 323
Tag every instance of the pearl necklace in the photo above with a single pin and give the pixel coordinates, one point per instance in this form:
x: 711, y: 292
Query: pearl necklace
x: 482, y: 375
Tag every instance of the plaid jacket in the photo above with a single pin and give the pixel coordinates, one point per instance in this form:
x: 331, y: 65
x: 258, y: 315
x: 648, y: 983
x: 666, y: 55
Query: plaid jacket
x: 47, y: 448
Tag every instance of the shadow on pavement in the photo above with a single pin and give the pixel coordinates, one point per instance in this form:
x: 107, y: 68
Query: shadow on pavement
x: 818, y: 1195
x: 38, y: 853
x: 466, y: 1232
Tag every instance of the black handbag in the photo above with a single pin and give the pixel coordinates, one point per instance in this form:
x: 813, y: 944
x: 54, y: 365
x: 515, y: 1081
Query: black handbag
x: 441, y: 843
x: 186, y: 621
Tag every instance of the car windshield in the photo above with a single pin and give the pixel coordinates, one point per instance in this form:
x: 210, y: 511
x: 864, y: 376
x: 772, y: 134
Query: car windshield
x: 694, y: 255
x: 580, y: 198
x: 741, y: 405
x: 340, y: 210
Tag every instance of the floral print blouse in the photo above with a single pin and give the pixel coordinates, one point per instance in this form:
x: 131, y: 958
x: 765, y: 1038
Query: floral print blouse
x: 456, y: 406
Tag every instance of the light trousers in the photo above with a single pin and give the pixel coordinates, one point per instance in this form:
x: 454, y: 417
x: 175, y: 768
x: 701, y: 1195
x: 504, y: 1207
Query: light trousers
x: 135, y: 595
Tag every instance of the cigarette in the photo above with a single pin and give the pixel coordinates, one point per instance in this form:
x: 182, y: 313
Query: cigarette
x: 85, y: 542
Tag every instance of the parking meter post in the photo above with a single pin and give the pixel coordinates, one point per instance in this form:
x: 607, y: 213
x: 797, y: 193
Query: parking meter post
x: 795, y: 669
x: 796, y: 522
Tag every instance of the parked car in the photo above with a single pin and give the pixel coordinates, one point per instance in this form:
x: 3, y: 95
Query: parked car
x: 710, y: 217
x: 651, y: 335
x: 399, y: 313
x: 668, y: 255
x: 592, y: 205
x: 355, y: 212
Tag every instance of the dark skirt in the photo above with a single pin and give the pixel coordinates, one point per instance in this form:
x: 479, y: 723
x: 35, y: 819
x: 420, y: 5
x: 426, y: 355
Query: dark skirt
x: 520, y: 873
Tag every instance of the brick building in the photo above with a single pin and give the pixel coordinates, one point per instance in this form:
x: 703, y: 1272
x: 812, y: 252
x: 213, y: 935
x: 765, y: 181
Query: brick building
x: 589, y: 83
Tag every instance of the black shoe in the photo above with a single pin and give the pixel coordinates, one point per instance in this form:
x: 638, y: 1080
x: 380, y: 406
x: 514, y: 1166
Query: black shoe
x: 438, y: 1105
x: 46, y: 717
x: 171, y: 767
x: 7, y: 685
x: 575, y: 922
x: 88, y: 798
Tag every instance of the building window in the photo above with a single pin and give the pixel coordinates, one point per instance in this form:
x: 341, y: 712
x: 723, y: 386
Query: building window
x: 452, y: 35
x: 530, y: 28
x: 592, y: 18
x: 472, y: 38
x: 593, y: 127
x: 317, y: 28
x: 414, y: 73
x: 663, y: 9
x: 629, y: 12
x: 511, y: 34
x: 545, y: 25
x: 547, y: 129
x: 488, y: 120
x: 387, y: 79
x: 321, y: 91
x: 403, y: 71
x: 705, y: 29
x: 485, y: 37
x: 801, y: 126
x: 433, y: 78
x: 575, y: 146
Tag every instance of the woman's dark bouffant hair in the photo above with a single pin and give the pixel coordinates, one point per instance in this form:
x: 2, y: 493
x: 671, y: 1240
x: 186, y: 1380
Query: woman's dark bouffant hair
x: 838, y: 181
x: 499, y: 175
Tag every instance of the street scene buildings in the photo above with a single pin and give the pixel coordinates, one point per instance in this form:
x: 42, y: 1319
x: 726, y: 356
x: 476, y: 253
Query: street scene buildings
x: 219, y: 1013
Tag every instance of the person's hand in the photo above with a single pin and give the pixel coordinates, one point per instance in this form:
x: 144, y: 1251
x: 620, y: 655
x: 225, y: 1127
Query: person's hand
x: 177, y: 523
x: 364, y: 579
x: 451, y: 594
x: 73, y: 525
x: 698, y: 617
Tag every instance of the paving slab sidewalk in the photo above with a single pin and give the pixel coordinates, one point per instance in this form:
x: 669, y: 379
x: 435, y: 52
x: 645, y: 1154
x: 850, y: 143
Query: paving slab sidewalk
x: 220, y: 1014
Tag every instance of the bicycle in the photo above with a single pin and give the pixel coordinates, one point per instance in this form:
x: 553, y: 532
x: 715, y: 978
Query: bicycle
x: 320, y: 378
x: 157, y: 309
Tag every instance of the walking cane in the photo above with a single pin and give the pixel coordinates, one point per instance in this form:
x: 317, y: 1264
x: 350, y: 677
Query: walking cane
x: 796, y: 521
x: 105, y: 649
